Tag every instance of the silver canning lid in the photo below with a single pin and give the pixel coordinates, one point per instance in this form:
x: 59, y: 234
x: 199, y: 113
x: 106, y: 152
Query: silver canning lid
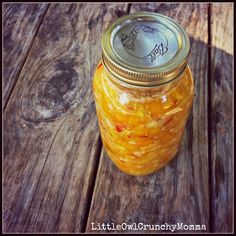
x: 145, y: 49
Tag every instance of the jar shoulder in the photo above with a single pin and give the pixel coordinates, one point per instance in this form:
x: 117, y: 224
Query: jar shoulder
x: 168, y: 95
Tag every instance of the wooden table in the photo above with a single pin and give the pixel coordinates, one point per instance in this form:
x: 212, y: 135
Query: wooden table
x: 56, y: 174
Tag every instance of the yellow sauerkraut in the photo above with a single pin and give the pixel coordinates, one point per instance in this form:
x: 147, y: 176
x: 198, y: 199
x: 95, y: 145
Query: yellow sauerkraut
x: 141, y: 128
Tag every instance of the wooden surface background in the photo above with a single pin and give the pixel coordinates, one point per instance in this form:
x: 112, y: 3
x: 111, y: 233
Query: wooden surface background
x: 56, y: 174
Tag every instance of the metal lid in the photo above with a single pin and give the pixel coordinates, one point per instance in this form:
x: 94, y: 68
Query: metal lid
x: 145, y: 49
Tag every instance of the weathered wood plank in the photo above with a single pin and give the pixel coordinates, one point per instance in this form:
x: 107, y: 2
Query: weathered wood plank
x: 20, y: 24
x: 179, y: 192
x: 221, y: 117
x: 51, y: 138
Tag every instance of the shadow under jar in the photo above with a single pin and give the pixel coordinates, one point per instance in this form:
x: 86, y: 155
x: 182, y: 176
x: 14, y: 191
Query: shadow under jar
x: 143, y: 89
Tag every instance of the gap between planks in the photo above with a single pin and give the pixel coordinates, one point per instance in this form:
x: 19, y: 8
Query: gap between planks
x: 92, y: 184
x: 209, y: 117
x: 97, y: 163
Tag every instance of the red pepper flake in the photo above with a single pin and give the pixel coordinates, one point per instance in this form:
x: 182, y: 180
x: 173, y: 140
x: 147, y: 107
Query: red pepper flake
x: 130, y: 107
x: 99, y: 66
x: 119, y: 127
x: 168, y: 121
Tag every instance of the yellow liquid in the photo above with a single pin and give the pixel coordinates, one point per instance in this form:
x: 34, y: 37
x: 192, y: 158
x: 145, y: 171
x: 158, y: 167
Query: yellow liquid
x: 141, y: 128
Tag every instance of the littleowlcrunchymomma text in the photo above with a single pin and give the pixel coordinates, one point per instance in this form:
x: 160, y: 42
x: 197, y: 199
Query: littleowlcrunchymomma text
x: 146, y: 227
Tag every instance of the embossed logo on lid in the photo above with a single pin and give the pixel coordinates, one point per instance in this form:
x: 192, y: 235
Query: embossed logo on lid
x: 145, y: 44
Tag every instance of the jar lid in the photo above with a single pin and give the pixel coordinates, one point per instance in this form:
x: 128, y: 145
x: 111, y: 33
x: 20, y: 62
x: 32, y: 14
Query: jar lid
x: 145, y: 48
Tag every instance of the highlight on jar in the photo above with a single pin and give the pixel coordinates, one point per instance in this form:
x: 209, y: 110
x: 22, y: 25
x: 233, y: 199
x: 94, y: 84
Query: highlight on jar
x: 143, y: 90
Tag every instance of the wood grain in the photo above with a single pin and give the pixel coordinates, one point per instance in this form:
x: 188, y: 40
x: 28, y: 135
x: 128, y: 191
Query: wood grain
x: 20, y: 24
x: 51, y: 138
x: 221, y: 85
x: 180, y: 191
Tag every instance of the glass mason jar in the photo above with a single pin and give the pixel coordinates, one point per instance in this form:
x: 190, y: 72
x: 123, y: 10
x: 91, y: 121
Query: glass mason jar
x: 143, y: 90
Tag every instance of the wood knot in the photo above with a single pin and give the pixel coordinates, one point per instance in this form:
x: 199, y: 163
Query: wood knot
x: 55, y: 92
